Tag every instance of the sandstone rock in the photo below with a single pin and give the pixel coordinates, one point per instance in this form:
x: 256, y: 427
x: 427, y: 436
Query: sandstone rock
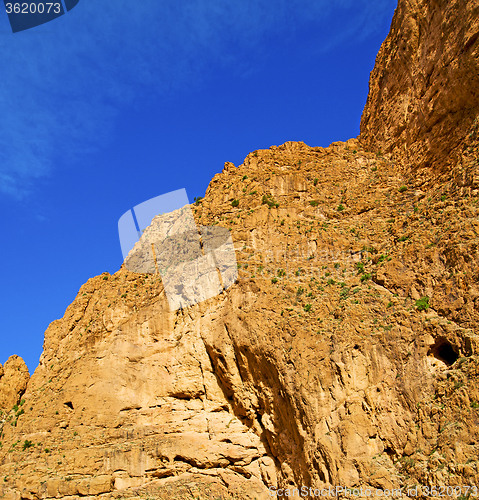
x: 14, y: 377
x: 251, y: 388
x: 346, y: 351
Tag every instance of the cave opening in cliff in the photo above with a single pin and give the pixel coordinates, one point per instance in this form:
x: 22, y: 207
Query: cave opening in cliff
x: 390, y: 452
x: 444, y: 351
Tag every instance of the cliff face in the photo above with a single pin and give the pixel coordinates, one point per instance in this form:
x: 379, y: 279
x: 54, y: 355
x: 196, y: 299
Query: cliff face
x: 345, y: 354
x: 317, y: 367
x: 424, y: 89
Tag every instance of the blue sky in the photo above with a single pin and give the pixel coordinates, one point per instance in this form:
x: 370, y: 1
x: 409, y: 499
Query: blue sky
x: 117, y: 102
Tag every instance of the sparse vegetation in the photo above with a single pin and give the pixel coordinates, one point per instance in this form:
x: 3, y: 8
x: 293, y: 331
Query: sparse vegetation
x: 407, y: 463
x: 27, y: 444
x: 422, y: 304
x: 269, y: 200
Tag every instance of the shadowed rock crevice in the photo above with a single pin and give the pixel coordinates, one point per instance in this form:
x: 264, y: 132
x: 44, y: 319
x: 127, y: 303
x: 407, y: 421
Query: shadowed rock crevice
x: 444, y: 351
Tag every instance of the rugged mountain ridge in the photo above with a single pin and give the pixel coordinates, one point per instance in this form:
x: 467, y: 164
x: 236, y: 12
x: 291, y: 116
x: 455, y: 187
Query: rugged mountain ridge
x: 345, y: 354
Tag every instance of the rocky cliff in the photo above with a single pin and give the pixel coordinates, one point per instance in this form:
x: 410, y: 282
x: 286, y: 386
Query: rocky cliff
x: 346, y: 353
x: 424, y: 89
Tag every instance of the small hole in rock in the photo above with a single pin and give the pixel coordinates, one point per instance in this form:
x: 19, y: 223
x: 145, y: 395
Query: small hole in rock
x: 69, y: 404
x: 444, y: 351
x: 389, y: 451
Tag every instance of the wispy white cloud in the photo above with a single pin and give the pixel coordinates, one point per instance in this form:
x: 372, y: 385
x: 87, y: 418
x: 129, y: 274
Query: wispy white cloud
x: 64, y: 82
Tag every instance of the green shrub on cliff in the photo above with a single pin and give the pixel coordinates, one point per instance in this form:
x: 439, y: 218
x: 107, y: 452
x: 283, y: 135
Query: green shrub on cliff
x: 422, y: 304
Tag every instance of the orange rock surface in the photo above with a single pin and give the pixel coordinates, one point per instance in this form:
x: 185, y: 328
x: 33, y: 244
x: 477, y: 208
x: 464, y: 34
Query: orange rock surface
x: 346, y: 353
